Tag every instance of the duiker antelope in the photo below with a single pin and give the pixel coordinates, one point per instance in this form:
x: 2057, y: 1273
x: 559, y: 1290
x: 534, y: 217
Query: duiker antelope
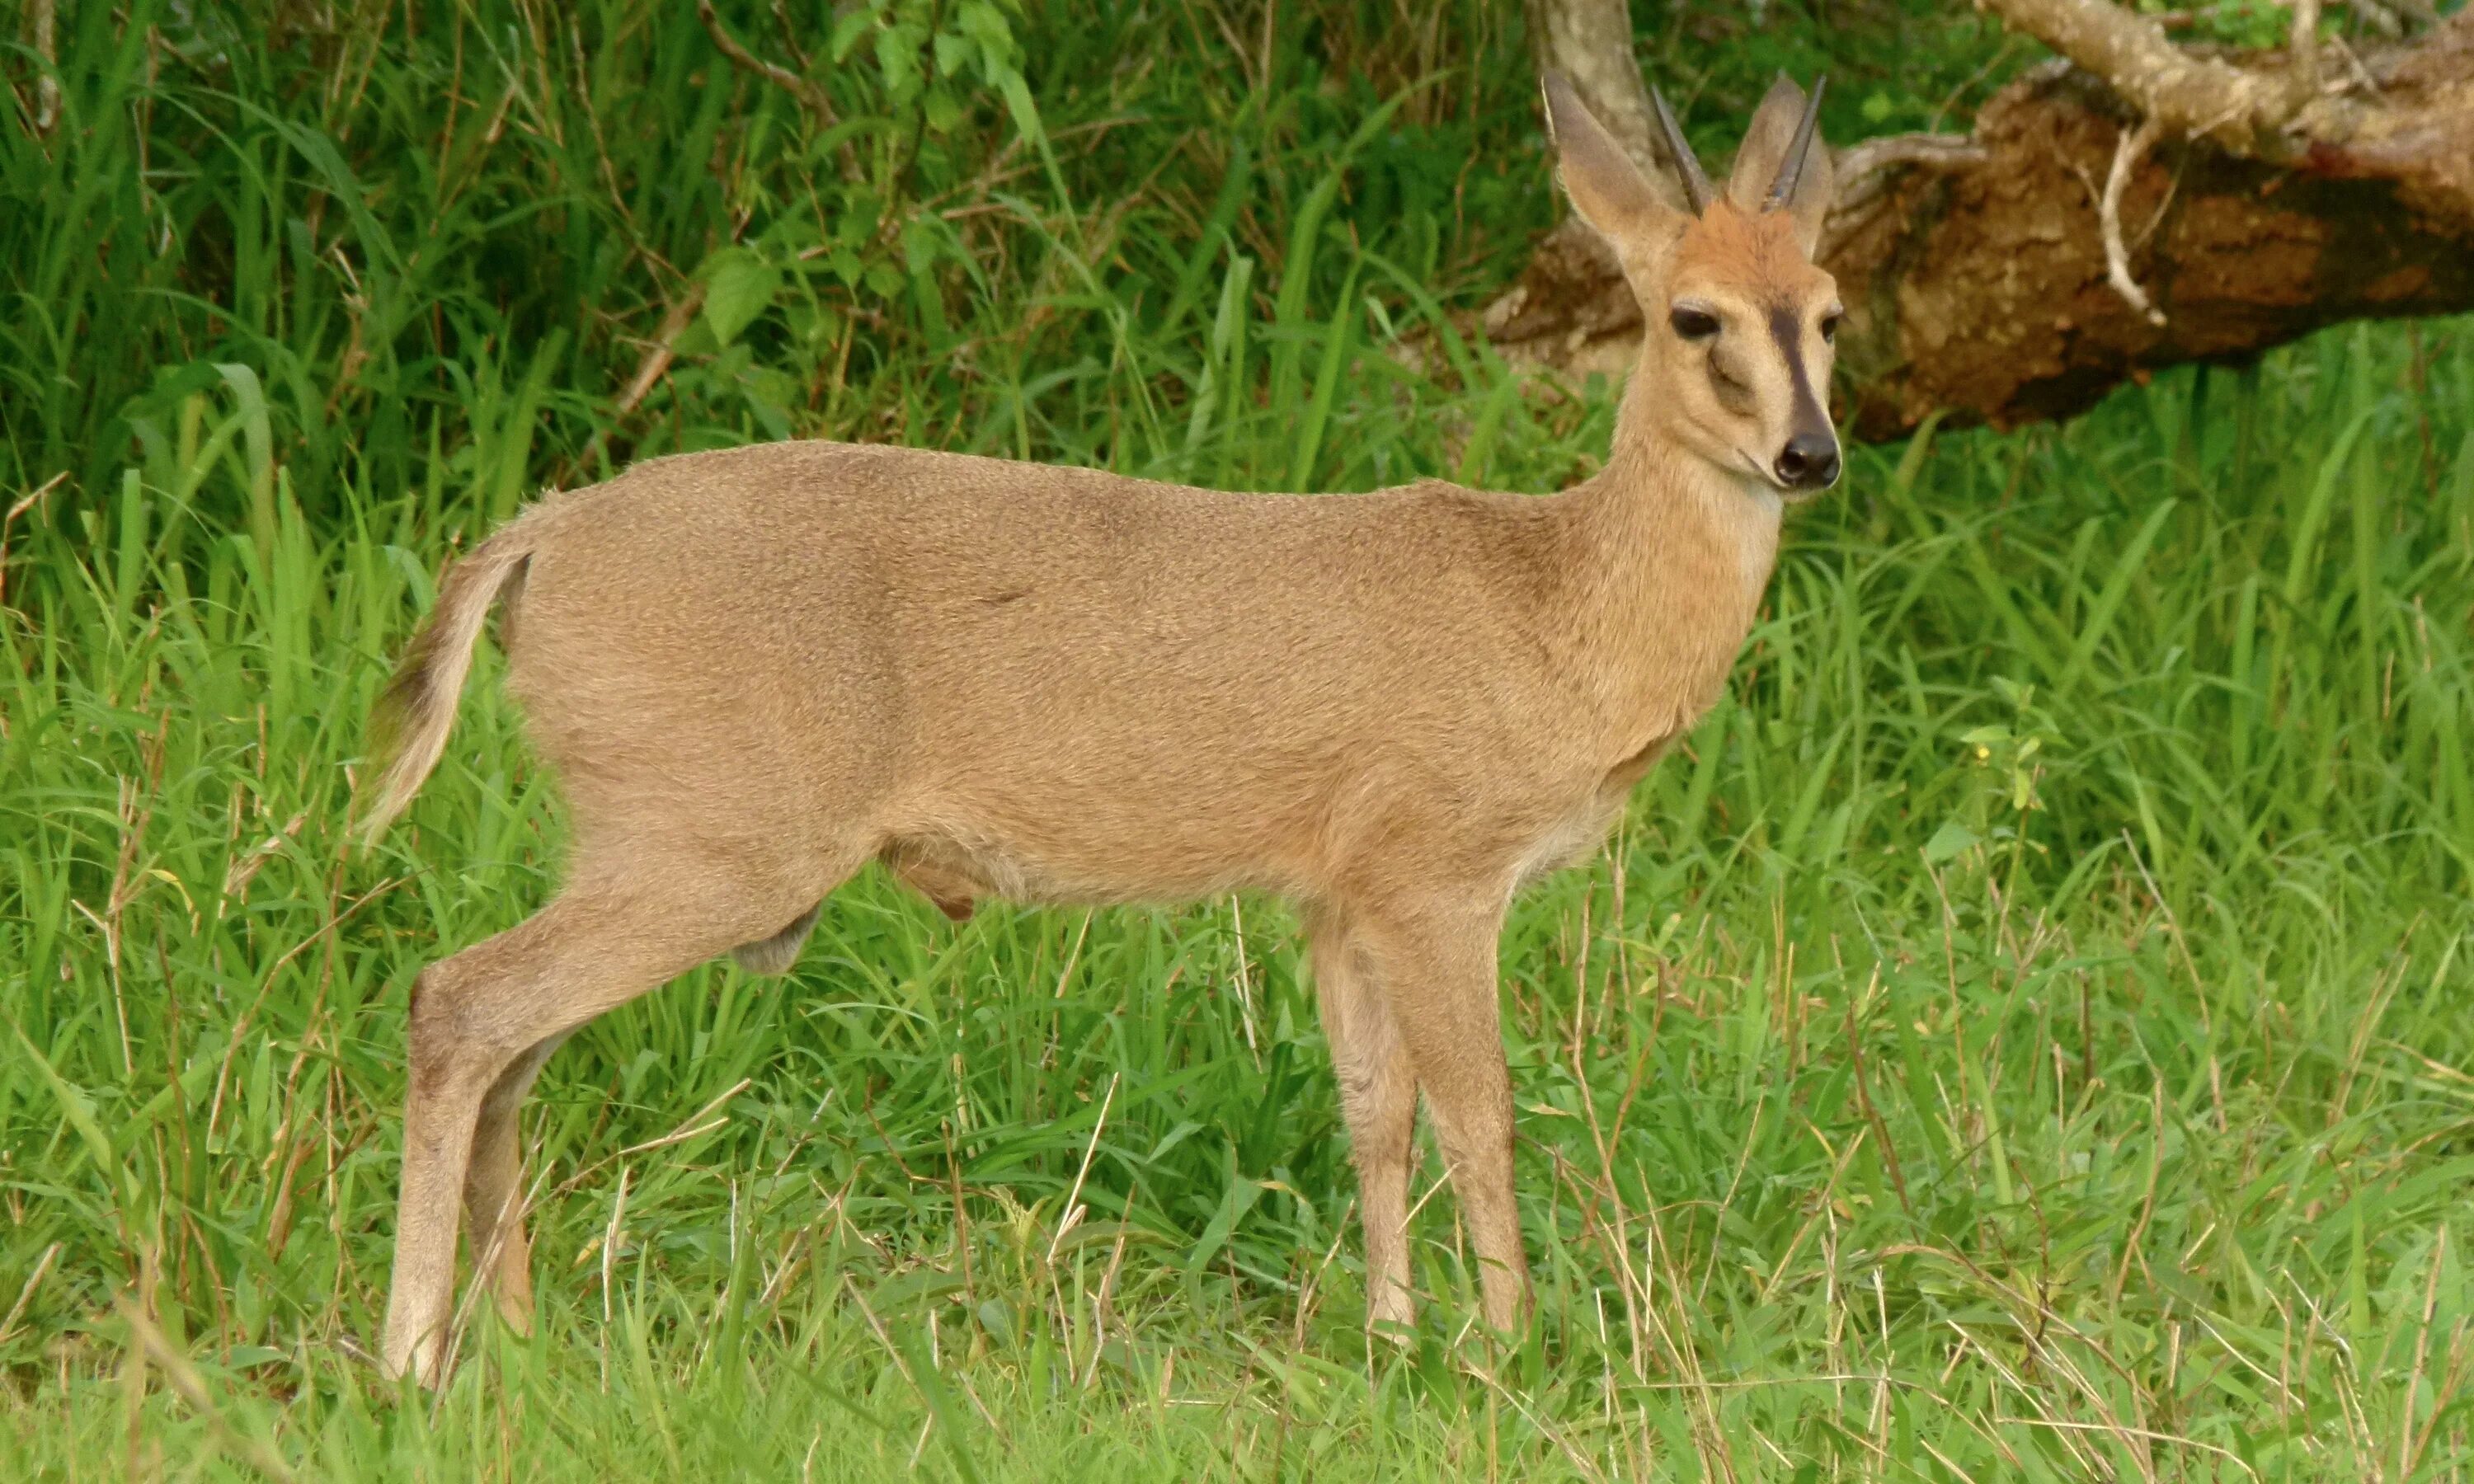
x: 758, y: 670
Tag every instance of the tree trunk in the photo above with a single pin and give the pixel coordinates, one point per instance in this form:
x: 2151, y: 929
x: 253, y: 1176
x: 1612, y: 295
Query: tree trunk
x: 1986, y: 278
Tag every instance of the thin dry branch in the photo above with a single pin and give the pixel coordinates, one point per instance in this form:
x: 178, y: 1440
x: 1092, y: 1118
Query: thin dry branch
x: 659, y: 353
x: 2303, y: 46
x: 2248, y: 113
x: 809, y: 94
x: 790, y: 37
x: 2406, y: 116
x: 2134, y: 146
x: 1866, y: 169
x: 47, y: 87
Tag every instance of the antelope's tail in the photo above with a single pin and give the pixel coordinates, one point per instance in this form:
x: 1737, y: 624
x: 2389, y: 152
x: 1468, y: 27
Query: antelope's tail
x: 408, y: 727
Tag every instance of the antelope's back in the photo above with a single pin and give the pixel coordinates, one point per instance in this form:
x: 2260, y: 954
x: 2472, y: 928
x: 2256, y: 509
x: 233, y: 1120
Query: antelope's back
x: 885, y: 622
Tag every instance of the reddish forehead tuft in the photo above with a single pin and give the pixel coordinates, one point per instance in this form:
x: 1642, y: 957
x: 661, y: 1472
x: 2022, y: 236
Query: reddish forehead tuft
x: 1754, y: 255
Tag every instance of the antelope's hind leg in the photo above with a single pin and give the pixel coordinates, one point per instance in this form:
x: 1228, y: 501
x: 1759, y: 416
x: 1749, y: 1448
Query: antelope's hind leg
x: 950, y: 885
x: 481, y: 1021
x: 779, y: 953
x: 493, y: 1200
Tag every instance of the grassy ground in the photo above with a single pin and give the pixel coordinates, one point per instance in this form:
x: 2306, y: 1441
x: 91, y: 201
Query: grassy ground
x: 2026, y: 1034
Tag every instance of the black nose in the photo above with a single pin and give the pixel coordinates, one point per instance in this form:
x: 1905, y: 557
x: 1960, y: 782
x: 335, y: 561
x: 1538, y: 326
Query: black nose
x: 1810, y: 462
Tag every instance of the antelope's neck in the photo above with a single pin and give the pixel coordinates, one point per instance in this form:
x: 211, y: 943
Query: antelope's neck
x: 1673, y: 555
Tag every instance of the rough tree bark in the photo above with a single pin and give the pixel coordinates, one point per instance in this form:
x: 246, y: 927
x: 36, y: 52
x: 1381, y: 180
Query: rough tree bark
x: 2128, y: 206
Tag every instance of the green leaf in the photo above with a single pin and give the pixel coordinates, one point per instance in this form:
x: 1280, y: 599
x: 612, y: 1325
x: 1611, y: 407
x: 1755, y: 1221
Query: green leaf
x: 1947, y: 841
x: 922, y: 245
x: 986, y: 25
x: 899, y: 62
x: 739, y: 286
x: 77, y: 1110
x: 848, y: 30
x: 1240, y: 1196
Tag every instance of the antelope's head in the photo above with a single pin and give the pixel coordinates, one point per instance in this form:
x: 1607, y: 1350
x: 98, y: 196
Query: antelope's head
x: 1738, y: 320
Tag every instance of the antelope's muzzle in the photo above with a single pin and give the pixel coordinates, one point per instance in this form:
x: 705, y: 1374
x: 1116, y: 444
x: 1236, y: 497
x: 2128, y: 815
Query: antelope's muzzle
x: 1809, y: 460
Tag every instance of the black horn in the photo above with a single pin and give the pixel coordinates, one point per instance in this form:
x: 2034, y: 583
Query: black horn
x: 1792, y: 169
x: 1696, y: 185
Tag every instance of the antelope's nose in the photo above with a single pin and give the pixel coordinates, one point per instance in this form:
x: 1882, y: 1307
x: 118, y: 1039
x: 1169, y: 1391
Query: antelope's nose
x: 1810, y: 462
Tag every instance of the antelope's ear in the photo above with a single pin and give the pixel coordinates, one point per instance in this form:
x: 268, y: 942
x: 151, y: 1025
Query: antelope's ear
x: 1607, y: 188
x: 1780, y: 131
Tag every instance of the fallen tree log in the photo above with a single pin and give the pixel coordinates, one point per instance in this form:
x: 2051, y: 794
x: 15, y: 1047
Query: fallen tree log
x: 2125, y: 207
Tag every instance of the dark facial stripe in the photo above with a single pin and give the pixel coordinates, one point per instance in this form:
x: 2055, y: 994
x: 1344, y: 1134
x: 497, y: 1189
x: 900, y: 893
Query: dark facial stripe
x: 1808, y: 416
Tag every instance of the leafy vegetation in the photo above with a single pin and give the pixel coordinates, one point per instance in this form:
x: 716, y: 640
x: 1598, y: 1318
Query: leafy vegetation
x: 2026, y: 1034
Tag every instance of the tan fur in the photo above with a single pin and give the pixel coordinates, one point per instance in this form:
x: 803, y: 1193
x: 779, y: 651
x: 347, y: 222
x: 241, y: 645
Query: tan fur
x: 758, y: 670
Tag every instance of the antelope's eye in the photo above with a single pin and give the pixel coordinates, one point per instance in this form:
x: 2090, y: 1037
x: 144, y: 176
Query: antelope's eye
x: 1693, y: 323
x: 1830, y: 325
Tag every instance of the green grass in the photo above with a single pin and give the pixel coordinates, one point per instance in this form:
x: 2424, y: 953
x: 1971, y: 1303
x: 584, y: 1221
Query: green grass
x: 2028, y: 1034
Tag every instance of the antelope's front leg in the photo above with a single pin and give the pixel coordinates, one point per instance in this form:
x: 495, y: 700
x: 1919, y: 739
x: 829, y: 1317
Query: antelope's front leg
x: 1437, y: 971
x: 1379, y: 1094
